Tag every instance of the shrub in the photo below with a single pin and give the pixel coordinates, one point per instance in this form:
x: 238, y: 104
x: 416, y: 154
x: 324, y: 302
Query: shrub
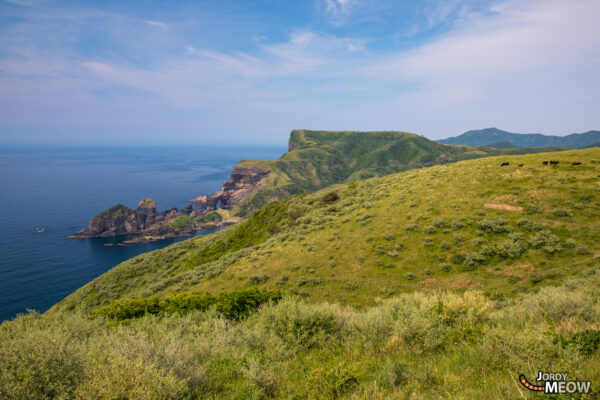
x: 439, y: 223
x: 445, y: 245
x: 542, y: 238
x: 282, y: 280
x: 458, y: 238
x: 473, y: 259
x: 303, y: 281
x: 427, y: 242
x: 233, y: 305
x: 409, y: 276
x: 428, y: 272
x: 525, y: 224
x: 330, y: 197
x: 456, y: 225
x: 258, y: 279
x: 562, y: 213
x: 411, y: 228
x: 430, y: 229
x: 494, y: 226
x: 582, y: 249
x: 457, y: 258
x: 300, y: 324
x: 446, y: 268
x: 534, y: 277
x: 332, y: 381
x: 587, y: 341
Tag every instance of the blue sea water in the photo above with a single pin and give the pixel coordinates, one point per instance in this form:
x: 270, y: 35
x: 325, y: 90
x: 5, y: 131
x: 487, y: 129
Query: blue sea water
x: 60, y: 189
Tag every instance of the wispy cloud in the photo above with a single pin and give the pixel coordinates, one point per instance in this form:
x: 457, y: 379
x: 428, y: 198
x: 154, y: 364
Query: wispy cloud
x: 157, y: 24
x: 21, y: 3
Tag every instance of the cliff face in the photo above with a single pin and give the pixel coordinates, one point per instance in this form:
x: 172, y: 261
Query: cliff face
x: 242, y: 182
x: 145, y: 222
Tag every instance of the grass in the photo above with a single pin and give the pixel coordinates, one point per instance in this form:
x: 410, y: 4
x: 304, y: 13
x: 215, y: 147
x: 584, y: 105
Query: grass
x: 181, y: 222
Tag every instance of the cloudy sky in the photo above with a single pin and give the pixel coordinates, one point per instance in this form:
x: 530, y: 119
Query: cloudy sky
x: 244, y: 72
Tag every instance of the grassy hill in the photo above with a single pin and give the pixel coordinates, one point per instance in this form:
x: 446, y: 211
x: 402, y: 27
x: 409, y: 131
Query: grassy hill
x: 488, y: 136
x: 421, y: 229
x: 318, y: 159
x: 437, y: 283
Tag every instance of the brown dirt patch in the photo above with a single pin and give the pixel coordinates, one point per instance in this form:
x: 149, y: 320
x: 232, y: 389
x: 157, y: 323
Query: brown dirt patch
x: 503, y: 207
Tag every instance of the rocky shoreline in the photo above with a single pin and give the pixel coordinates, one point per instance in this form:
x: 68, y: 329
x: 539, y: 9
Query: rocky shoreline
x: 146, y: 224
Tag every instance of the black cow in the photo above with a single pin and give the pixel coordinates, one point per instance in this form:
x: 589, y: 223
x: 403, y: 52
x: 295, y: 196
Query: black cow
x: 554, y: 162
x: 520, y: 165
x: 576, y: 163
x: 504, y: 164
x: 545, y: 162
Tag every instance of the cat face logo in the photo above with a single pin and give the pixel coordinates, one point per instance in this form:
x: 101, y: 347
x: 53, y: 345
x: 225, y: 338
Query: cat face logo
x: 556, y: 383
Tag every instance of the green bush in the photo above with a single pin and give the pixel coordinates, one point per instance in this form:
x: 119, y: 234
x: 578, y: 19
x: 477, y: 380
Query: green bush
x: 430, y: 229
x: 258, y: 279
x: 583, y: 250
x: 494, y: 226
x: 300, y: 324
x: 587, y: 341
x: 234, y: 304
x: 562, y: 213
x: 330, y: 197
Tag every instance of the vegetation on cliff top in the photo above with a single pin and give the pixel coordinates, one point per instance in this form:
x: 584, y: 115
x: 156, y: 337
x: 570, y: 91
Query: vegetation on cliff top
x: 109, y: 212
x: 321, y: 158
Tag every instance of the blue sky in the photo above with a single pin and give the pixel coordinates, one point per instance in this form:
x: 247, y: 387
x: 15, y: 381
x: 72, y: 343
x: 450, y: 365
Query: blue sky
x: 247, y: 72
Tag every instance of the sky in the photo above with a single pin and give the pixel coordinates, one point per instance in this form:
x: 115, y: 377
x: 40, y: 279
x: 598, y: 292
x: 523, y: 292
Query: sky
x: 247, y: 72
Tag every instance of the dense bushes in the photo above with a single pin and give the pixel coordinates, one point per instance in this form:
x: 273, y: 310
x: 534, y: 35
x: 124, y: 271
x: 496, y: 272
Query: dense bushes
x: 437, y: 345
x: 233, y: 305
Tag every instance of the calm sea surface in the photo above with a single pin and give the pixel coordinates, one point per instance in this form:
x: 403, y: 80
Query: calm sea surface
x: 60, y: 189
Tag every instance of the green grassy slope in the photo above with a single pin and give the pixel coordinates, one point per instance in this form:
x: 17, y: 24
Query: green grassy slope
x: 321, y: 158
x: 403, y: 286
x: 424, y: 229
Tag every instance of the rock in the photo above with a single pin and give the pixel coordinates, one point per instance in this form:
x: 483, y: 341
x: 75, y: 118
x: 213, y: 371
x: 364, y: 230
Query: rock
x: 147, y: 205
x: 188, y: 209
x: 242, y: 182
x: 145, y: 220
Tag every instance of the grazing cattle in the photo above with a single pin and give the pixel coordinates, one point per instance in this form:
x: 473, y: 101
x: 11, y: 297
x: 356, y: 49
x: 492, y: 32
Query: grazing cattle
x: 504, y: 164
x: 576, y: 163
x: 545, y: 162
x: 520, y: 165
x: 554, y: 162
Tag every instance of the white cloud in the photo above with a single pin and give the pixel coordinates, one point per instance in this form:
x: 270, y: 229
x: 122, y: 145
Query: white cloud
x: 157, y: 24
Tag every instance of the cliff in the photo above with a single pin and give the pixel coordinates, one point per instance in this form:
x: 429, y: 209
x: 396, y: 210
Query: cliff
x: 143, y: 224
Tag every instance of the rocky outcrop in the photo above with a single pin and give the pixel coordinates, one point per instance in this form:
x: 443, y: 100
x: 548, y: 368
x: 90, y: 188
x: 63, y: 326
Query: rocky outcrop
x: 242, y: 182
x: 143, y: 224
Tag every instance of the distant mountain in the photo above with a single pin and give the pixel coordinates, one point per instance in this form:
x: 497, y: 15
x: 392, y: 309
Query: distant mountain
x: 489, y: 136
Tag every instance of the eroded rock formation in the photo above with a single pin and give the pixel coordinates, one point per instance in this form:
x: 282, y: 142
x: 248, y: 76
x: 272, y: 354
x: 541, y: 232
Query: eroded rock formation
x: 144, y: 223
x: 242, y: 182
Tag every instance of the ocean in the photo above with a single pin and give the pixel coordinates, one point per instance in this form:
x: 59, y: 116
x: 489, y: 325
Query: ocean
x: 61, y: 189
